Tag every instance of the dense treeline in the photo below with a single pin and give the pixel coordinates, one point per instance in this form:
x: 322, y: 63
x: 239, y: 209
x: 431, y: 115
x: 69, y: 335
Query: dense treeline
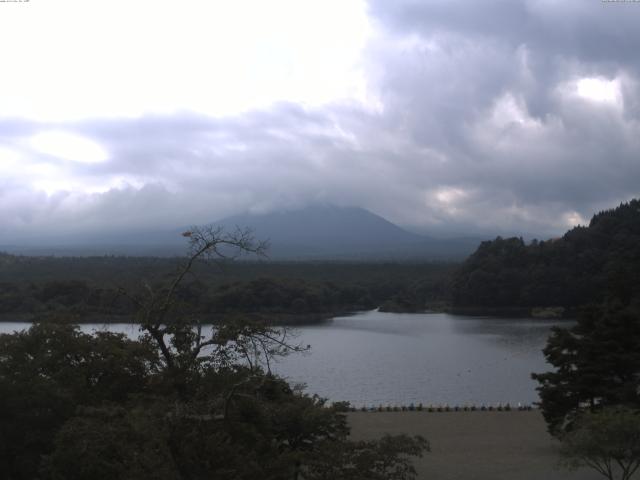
x: 588, y: 264
x: 288, y: 291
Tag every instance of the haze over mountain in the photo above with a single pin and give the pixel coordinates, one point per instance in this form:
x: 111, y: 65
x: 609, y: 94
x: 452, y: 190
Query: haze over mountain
x: 322, y: 232
x: 344, y: 232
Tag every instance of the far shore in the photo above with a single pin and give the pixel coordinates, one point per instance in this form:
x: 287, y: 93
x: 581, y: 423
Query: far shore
x: 298, y: 319
x: 477, y: 445
x: 276, y: 319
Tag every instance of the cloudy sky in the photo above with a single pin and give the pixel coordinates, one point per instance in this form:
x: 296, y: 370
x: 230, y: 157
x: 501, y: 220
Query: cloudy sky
x: 445, y: 116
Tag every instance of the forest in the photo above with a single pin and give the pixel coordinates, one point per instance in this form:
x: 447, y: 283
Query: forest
x: 586, y: 265
x: 508, y: 275
x: 90, y: 289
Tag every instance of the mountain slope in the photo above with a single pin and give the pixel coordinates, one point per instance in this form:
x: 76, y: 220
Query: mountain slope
x: 325, y: 229
x: 316, y: 232
x: 342, y: 232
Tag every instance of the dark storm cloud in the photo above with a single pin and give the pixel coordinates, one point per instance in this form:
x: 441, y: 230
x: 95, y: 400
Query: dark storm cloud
x: 477, y: 127
x: 590, y: 30
x: 195, y: 169
x: 452, y: 67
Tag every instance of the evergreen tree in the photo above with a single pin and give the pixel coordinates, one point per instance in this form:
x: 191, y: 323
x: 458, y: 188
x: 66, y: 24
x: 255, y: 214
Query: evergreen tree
x: 597, y: 364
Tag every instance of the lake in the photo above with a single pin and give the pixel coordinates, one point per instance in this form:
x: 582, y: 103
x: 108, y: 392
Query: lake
x: 373, y: 358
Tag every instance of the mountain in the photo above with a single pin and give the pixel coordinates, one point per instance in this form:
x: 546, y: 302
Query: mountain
x: 324, y: 232
x: 312, y: 233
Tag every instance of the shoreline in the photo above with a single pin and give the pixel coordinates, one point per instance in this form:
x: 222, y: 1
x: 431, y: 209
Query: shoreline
x: 506, y: 445
x: 275, y: 319
x: 301, y: 319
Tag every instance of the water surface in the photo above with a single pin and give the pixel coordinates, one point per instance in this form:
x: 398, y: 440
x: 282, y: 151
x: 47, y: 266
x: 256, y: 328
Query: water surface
x: 377, y: 358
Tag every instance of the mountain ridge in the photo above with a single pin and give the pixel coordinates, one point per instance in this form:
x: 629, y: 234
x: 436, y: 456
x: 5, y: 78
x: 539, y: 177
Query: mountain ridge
x: 317, y: 232
x: 327, y: 231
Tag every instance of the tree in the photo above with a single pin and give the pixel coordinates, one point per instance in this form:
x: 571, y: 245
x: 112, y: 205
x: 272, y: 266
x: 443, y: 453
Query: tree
x: 597, y: 364
x: 607, y: 441
x: 587, y: 264
x: 174, y: 335
x: 176, y: 404
x: 47, y: 371
x: 184, y: 350
x: 386, y: 459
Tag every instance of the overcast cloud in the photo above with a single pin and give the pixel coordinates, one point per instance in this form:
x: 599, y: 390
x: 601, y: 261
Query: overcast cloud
x: 448, y: 117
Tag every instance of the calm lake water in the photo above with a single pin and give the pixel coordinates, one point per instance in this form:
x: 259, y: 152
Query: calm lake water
x: 374, y: 358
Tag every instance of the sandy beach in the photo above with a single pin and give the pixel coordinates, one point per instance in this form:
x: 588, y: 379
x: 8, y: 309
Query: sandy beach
x: 474, y: 445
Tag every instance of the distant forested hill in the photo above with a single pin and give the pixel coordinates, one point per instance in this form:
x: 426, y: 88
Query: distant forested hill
x: 89, y: 288
x: 588, y: 264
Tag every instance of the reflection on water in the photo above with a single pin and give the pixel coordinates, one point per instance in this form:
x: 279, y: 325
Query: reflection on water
x: 374, y: 357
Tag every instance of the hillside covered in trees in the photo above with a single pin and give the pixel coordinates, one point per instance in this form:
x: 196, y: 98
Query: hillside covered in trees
x: 586, y: 265
x: 91, y: 288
